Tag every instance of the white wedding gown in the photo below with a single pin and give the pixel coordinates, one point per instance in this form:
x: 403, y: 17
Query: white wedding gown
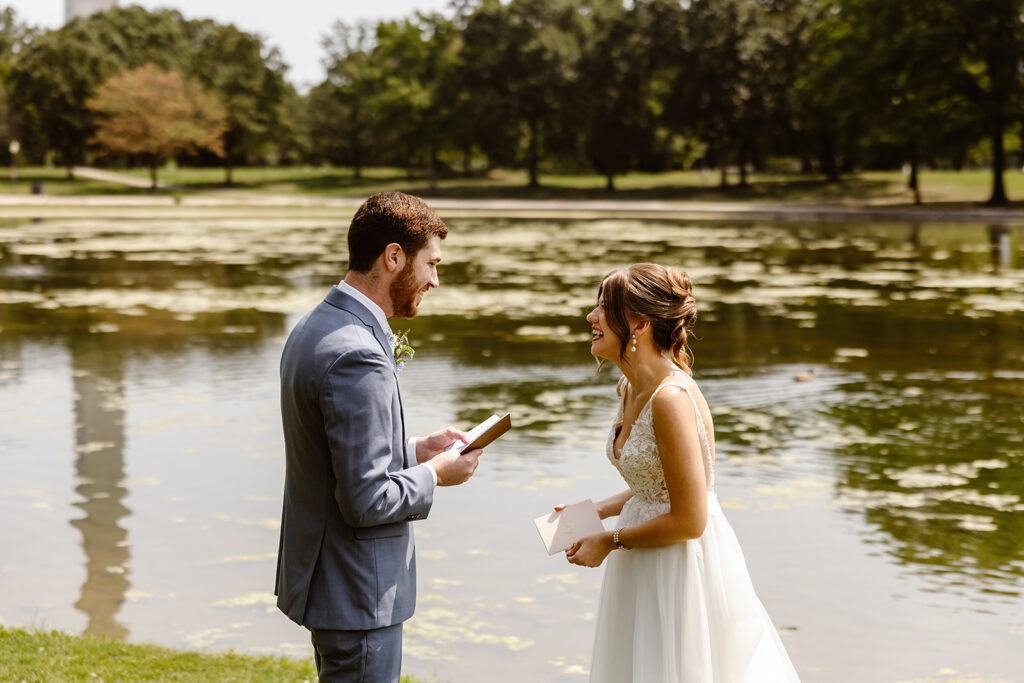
x: 684, y: 613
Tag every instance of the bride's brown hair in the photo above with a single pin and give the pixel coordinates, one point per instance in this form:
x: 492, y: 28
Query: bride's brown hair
x: 662, y: 296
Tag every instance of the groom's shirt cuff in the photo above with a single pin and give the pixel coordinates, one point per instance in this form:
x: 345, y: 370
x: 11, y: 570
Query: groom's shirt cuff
x: 411, y: 445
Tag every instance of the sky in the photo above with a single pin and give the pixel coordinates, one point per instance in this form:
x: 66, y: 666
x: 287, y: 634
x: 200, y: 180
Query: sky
x: 295, y: 27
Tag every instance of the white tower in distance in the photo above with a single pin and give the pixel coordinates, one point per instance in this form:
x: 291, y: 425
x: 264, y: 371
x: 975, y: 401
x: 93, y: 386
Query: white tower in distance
x: 83, y: 8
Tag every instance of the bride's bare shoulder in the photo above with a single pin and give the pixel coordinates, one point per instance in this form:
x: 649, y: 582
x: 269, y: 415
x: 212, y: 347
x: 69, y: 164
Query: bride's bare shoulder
x: 671, y: 402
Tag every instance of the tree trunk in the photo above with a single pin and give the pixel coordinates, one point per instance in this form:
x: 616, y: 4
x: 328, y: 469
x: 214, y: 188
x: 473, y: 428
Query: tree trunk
x: 913, y: 182
x: 152, y: 177
x: 806, y: 165
x: 829, y: 166
x: 998, y: 197
x: 229, y: 173
x: 610, y: 182
x: 724, y: 181
x: 757, y: 164
x: 357, y: 156
x: 743, y: 165
x: 533, y: 156
x: 433, y: 167
x: 467, y: 160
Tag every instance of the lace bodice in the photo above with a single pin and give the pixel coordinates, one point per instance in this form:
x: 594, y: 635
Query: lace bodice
x: 639, y: 463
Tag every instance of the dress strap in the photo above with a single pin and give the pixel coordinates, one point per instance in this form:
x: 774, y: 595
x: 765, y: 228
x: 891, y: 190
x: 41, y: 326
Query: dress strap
x: 702, y: 431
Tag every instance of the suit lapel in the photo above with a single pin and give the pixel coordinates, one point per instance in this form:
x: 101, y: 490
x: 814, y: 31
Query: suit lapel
x: 339, y: 299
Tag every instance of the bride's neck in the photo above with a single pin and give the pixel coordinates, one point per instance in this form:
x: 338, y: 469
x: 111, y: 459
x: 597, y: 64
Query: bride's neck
x: 646, y: 371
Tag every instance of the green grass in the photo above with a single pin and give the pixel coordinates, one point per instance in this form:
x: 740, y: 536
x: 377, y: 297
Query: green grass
x: 38, y: 656
x: 871, y: 188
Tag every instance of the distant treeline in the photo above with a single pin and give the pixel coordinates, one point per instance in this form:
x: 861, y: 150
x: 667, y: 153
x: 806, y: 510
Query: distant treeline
x: 824, y: 86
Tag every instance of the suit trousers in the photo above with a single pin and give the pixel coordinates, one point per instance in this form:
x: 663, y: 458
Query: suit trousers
x: 373, y: 656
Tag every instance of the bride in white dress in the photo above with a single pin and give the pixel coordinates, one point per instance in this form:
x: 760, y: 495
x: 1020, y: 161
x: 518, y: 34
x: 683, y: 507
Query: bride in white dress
x: 677, y: 603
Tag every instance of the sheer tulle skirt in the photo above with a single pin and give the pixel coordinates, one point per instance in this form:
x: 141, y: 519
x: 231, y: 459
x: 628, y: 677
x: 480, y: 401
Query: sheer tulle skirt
x: 685, y: 613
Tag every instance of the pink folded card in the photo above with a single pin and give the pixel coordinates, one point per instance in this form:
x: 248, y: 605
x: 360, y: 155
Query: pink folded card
x: 559, y: 530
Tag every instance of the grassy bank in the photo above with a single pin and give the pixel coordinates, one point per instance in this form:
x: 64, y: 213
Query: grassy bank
x: 874, y: 188
x: 37, y: 656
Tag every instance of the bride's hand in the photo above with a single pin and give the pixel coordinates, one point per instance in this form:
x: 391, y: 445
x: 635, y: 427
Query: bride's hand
x: 591, y: 550
x: 600, y: 510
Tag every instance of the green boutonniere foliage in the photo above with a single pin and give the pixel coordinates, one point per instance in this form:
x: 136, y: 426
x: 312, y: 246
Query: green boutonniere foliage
x: 402, y: 349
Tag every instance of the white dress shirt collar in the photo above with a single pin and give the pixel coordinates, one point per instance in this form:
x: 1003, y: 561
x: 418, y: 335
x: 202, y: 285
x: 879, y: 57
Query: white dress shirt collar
x: 371, y: 306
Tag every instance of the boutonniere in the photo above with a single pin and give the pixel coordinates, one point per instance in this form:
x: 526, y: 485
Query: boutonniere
x: 402, y: 350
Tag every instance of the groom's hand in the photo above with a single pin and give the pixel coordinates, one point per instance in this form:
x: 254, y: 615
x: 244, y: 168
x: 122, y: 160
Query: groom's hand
x: 429, y: 446
x: 453, y: 469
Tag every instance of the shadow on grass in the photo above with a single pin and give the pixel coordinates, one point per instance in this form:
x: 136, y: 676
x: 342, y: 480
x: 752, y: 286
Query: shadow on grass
x: 770, y: 190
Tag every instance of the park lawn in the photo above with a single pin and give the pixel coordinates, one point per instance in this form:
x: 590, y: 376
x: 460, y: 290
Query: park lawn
x: 52, y: 656
x: 866, y: 188
x: 511, y: 184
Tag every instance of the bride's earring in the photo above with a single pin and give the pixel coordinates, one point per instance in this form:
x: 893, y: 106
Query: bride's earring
x: 634, y: 343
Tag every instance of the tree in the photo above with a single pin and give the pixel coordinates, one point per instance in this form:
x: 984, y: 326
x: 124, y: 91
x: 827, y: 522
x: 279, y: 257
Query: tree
x: 54, y: 74
x: 249, y: 80
x: 901, y: 76
x: 134, y: 36
x: 154, y: 114
x: 991, y: 41
x: 409, y: 80
x: 913, y: 94
x: 14, y: 36
x: 447, y: 108
x: 787, y: 31
x: 49, y: 84
x: 326, y: 115
x: 401, y: 91
x: 614, y: 88
x: 492, y: 127
x: 828, y: 91
x: 342, y: 112
x: 716, y: 92
x: 293, y: 143
x: 518, y: 61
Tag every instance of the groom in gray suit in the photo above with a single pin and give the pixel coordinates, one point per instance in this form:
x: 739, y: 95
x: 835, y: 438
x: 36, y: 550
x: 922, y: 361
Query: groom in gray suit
x: 354, y: 482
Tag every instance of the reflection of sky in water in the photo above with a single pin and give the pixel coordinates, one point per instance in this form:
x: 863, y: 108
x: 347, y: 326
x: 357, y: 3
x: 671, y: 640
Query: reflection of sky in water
x: 878, y: 504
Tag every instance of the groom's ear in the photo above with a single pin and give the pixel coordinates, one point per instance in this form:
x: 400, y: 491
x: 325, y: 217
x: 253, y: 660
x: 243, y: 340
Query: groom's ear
x: 393, y: 258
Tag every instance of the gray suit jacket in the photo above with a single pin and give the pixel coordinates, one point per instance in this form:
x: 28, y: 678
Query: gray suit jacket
x: 346, y: 559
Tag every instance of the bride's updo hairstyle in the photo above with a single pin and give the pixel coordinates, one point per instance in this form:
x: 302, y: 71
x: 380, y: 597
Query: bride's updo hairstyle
x: 662, y: 296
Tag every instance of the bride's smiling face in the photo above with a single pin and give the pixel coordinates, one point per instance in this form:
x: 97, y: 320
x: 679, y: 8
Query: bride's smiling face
x: 603, y: 343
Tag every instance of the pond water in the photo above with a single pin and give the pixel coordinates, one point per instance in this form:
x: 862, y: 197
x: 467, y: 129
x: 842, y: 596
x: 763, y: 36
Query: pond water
x: 880, y: 504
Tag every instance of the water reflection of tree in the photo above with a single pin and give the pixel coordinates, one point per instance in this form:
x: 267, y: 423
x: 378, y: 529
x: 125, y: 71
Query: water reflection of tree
x: 99, y: 469
x: 940, y: 473
x: 999, y: 245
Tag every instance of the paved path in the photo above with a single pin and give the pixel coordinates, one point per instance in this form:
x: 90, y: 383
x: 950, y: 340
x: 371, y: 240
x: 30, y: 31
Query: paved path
x: 114, y: 177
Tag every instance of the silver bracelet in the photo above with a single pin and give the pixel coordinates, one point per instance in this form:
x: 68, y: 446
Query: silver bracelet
x: 616, y: 542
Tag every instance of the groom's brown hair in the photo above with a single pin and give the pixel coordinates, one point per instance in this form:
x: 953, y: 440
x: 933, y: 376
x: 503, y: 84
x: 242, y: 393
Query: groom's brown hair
x: 386, y: 218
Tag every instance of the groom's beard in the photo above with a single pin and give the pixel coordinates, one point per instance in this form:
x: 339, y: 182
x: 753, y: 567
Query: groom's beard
x: 404, y: 290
